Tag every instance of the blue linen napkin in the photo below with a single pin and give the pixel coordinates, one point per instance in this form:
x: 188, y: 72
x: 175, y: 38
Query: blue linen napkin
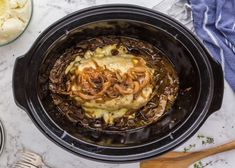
x: 214, y: 23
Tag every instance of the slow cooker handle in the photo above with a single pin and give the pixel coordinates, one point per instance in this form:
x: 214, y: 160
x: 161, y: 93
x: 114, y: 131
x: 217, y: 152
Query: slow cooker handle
x: 19, y: 84
x: 218, y: 86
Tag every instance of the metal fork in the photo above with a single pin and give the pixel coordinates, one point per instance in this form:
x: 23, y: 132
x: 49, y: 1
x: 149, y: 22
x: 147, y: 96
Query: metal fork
x: 21, y: 164
x: 33, y: 159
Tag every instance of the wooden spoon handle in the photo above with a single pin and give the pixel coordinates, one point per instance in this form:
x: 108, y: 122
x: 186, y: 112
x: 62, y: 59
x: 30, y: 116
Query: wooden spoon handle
x: 195, y: 156
x: 181, y: 159
x: 219, y: 149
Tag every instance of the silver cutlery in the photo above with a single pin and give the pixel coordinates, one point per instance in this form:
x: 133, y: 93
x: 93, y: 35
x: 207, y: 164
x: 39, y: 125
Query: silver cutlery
x: 30, y: 160
x: 21, y: 164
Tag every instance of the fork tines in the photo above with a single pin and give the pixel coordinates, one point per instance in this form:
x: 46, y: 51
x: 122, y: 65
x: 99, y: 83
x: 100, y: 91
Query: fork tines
x: 21, y: 164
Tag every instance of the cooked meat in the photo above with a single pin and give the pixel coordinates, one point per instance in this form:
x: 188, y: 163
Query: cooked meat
x: 123, y: 84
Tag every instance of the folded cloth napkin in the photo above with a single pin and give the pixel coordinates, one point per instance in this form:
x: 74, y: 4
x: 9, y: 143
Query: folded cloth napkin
x: 214, y: 23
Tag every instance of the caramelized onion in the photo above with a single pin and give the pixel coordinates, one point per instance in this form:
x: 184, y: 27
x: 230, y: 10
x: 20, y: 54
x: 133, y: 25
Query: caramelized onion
x: 99, y: 83
x: 112, y: 83
x: 136, y: 87
x: 85, y: 96
x: 123, y: 91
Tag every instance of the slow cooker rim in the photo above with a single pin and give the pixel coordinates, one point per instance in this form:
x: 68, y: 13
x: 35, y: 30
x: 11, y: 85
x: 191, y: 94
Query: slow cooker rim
x: 130, y: 6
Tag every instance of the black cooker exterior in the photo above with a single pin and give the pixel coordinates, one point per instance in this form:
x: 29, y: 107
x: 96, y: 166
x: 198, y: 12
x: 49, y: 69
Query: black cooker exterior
x: 210, y: 87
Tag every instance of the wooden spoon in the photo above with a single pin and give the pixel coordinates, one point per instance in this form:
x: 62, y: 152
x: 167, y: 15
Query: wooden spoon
x: 184, y: 159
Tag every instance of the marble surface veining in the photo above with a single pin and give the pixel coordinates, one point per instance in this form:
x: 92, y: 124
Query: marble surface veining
x: 21, y: 132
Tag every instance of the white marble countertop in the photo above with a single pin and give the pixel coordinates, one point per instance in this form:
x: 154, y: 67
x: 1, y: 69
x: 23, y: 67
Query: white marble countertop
x: 21, y: 132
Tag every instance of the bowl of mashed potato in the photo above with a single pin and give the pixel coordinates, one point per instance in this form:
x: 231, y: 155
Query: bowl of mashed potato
x: 15, y: 16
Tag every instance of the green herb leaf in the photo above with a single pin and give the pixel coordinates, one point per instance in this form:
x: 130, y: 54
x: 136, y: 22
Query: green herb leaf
x: 186, y: 149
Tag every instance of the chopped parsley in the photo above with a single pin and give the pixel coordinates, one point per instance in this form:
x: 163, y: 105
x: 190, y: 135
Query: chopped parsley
x: 186, y: 149
x: 198, y: 165
x: 200, y: 136
x: 206, y: 140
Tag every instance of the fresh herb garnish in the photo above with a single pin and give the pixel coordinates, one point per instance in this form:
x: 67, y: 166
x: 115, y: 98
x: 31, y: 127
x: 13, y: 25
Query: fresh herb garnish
x: 200, y: 136
x: 198, y: 165
x: 186, y: 149
x: 206, y: 140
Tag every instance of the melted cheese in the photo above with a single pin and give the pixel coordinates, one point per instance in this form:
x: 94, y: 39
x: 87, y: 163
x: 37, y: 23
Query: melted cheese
x: 116, y: 107
x: 3, y: 6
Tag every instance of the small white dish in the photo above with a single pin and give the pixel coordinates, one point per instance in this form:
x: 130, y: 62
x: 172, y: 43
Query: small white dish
x: 2, y: 138
x: 14, y: 19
